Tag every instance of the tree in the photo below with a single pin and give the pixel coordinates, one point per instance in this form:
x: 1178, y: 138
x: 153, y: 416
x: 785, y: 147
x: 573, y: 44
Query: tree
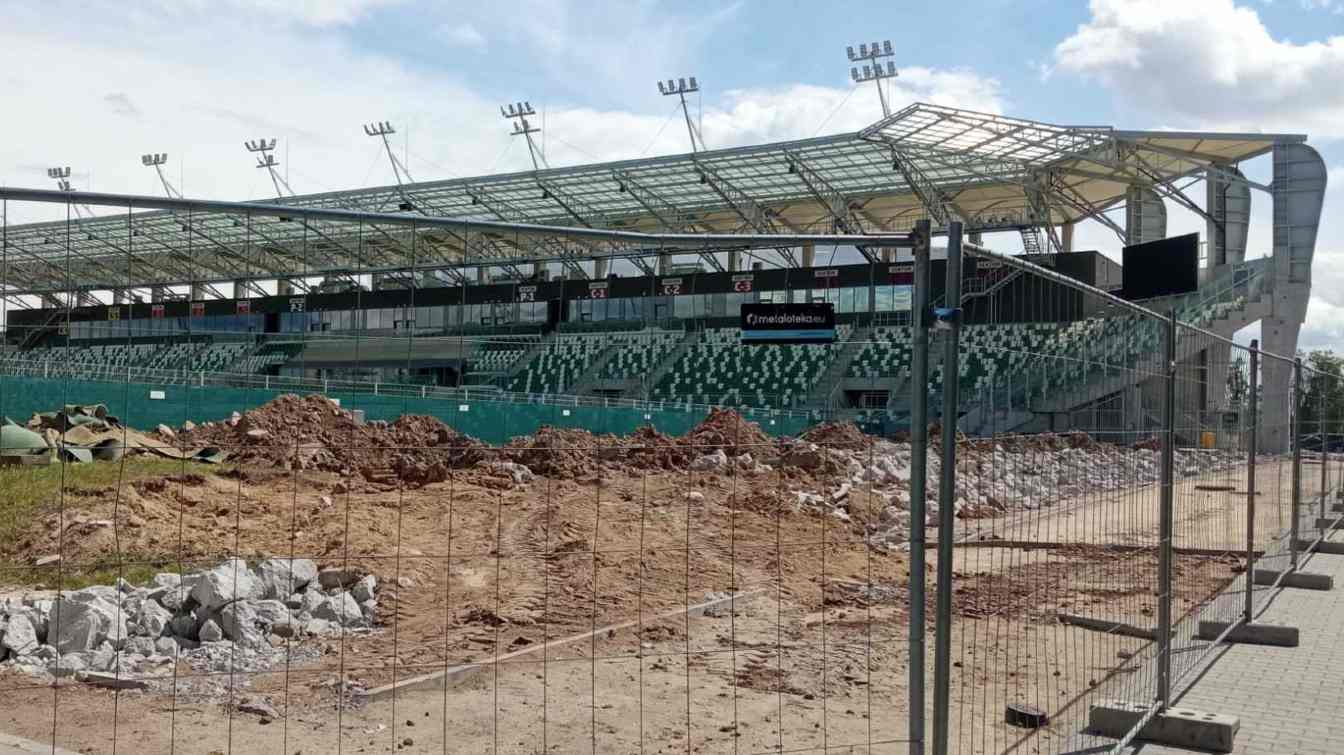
x: 1323, y: 392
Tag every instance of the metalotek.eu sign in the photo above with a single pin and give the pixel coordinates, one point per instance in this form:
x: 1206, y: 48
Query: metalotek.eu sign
x: 788, y: 323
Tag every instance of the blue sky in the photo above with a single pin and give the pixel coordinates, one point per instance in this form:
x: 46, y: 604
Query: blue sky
x: 195, y: 78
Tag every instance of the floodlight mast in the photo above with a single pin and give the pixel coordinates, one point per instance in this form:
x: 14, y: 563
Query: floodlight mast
x: 156, y: 160
x: 264, y: 148
x: 384, y: 129
x: 870, y: 56
x: 681, y: 88
x: 518, y: 113
x: 62, y: 177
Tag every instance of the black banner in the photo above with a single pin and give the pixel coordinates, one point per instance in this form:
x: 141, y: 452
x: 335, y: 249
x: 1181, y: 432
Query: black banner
x: 788, y: 323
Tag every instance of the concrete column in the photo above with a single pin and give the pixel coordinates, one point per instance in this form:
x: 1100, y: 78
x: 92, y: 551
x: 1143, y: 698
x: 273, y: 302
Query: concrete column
x: 1145, y: 215
x: 664, y: 264
x: 482, y: 275
x: 809, y: 254
x: 1216, y: 359
x: 600, y: 268
x: 734, y: 261
x: 888, y: 254
x: 284, y: 287
x: 1299, y: 195
x: 196, y: 292
x: 1229, y: 202
x: 1066, y: 237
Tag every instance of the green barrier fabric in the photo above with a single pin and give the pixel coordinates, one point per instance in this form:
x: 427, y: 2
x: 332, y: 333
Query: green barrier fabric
x: 490, y: 421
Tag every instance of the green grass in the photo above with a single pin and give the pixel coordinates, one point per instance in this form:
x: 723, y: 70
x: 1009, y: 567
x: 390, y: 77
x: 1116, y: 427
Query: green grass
x: 29, y: 494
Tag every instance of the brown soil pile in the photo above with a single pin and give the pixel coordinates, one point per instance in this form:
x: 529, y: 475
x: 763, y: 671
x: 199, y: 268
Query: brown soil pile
x: 650, y: 449
x: 313, y: 433
x: 726, y: 429
x: 836, y: 435
x: 562, y: 453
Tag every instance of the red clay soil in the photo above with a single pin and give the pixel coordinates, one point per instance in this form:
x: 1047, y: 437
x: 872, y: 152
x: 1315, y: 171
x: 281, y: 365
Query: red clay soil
x: 836, y: 435
x: 313, y: 433
x: 725, y: 428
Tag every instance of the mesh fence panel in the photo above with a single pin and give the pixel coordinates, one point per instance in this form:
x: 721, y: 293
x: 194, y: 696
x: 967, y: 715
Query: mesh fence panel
x: 503, y: 531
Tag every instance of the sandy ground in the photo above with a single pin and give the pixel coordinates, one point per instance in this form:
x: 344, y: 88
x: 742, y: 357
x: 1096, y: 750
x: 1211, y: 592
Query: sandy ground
x: 816, y: 661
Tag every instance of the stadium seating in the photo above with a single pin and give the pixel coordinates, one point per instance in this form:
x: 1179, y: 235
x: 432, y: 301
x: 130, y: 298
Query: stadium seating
x: 638, y: 354
x: 716, y: 371
x: 559, y: 365
x: 500, y: 356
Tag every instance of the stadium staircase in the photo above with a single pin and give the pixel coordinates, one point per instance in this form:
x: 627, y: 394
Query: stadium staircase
x: 830, y: 382
x: 1095, y: 359
x: 661, y: 369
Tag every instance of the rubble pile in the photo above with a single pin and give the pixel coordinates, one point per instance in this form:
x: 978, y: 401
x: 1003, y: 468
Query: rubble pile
x: 229, y: 618
x: 562, y: 453
x: 313, y: 432
x: 730, y: 431
x: 992, y: 478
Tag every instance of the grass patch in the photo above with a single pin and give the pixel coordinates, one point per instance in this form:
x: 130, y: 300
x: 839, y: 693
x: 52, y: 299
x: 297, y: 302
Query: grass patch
x: 28, y: 494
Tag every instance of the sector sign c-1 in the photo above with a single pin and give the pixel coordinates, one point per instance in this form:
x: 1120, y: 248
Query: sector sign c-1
x: 788, y: 323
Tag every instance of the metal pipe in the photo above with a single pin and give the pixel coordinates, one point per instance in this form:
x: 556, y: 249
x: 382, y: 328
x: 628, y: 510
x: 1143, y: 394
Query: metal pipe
x: 1250, y: 478
x: 1166, y: 517
x: 947, y: 493
x: 919, y: 448
x: 1297, y: 462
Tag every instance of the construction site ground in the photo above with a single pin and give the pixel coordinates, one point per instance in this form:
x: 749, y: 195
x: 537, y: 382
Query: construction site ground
x: 814, y: 657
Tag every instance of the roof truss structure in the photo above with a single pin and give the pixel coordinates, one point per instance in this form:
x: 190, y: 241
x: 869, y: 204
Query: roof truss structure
x: 992, y: 172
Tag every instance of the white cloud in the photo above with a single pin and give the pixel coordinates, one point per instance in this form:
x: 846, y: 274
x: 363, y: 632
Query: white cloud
x: 464, y: 35
x: 1209, y: 63
x: 306, y: 12
x: 280, y: 85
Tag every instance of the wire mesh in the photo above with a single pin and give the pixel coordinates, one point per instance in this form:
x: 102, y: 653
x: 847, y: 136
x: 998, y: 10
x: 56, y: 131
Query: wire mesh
x: 487, y: 526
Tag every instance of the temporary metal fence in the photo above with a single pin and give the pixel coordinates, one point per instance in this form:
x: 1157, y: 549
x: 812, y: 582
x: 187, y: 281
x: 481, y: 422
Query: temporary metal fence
x: 1086, y: 493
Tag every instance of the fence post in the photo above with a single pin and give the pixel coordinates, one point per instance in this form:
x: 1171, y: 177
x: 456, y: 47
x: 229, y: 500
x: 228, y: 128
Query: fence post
x: 919, y: 448
x: 1297, y: 463
x: 1166, y: 506
x: 1250, y: 477
x: 1325, y: 456
x: 949, y: 320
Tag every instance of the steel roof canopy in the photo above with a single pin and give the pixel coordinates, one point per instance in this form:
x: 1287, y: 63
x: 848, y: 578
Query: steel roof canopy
x: 992, y: 171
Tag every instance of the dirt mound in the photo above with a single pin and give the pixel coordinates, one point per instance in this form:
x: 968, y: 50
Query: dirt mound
x: 562, y: 453
x: 313, y: 432
x: 726, y: 429
x: 649, y: 449
x: 836, y: 435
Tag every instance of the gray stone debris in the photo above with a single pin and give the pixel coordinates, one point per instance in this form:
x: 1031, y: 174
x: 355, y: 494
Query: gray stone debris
x: 229, y: 581
x: 210, y: 631
x: 282, y: 576
x: 230, y: 618
x: 711, y: 462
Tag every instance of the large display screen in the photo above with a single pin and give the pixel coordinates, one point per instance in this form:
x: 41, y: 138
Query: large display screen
x: 1161, y: 268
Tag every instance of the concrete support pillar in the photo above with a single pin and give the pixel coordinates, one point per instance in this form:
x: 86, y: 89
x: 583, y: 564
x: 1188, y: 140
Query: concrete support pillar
x: 196, y: 292
x: 1145, y: 215
x: 284, y: 287
x: 601, y: 268
x: 1299, y: 194
x: 734, y: 261
x: 1216, y: 358
x: 809, y: 254
x: 888, y: 254
x: 1229, y: 202
x: 121, y: 296
x: 482, y: 275
x: 664, y: 264
x: 1066, y: 237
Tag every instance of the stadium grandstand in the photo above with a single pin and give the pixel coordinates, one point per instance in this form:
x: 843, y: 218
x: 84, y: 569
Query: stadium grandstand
x: 625, y: 280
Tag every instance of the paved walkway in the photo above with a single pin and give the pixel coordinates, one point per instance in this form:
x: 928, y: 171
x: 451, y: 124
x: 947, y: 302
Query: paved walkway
x: 1289, y: 700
